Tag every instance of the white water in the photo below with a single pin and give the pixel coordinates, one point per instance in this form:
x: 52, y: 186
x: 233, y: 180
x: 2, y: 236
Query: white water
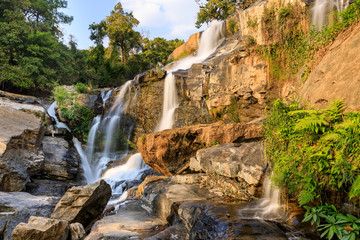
x: 209, y: 42
x: 322, y: 9
x: 52, y: 113
x: 130, y: 171
x: 268, y: 207
x: 106, y: 95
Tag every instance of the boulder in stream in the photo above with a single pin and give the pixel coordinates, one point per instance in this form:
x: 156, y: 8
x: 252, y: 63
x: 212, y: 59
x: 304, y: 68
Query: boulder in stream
x: 168, y: 151
x: 41, y: 228
x: 83, y: 204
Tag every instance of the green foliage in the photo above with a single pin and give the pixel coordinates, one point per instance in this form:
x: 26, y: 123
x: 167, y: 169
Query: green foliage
x: 315, y: 154
x: 120, y: 29
x: 214, y: 9
x: 332, y: 223
x: 233, y: 27
x: 218, y: 9
x: 81, y: 88
x: 156, y: 52
x: 80, y: 118
x: 61, y: 96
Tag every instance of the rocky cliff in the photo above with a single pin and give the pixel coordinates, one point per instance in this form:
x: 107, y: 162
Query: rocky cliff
x: 335, y: 75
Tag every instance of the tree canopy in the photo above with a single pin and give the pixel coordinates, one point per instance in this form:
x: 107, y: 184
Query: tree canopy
x: 218, y: 9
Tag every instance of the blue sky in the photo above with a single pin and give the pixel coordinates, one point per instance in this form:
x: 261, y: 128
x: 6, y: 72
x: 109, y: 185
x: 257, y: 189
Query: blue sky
x: 158, y: 18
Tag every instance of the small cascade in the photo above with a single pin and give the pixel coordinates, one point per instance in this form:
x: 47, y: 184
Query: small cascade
x: 52, y: 113
x: 209, y: 42
x: 130, y: 171
x: 322, y: 9
x: 105, y: 95
x: 268, y: 207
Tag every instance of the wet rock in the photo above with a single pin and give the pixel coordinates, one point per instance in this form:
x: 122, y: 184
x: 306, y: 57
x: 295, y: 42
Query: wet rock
x: 42, y: 229
x: 216, y: 220
x: 77, y: 231
x: 60, y: 161
x: 167, y: 151
x: 17, y: 207
x: 46, y: 187
x: 83, y: 204
x: 147, y: 107
x: 130, y: 222
x: 175, y: 232
x: 235, y: 160
x: 18, y: 97
x: 159, y: 197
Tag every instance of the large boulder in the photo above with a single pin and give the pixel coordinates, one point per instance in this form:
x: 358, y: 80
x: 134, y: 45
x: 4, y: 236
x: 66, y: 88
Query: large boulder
x: 233, y: 81
x: 41, y: 228
x: 131, y: 221
x: 188, y: 48
x: 60, y: 161
x: 244, y: 161
x: 83, y: 204
x: 336, y: 74
x: 169, y: 150
x: 159, y: 197
x: 20, y: 146
x: 17, y: 207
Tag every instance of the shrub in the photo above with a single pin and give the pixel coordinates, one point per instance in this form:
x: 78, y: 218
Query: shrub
x: 315, y: 153
x: 80, y: 118
x: 61, y: 95
x: 81, y: 88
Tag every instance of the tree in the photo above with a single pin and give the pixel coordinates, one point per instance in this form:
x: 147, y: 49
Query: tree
x: 156, y: 52
x: 30, y: 52
x: 120, y: 29
x: 218, y: 9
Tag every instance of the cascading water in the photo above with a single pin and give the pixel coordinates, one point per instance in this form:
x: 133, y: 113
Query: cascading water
x: 268, y: 207
x: 107, y: 142
x: 209, y: 42
x: 322, y: 9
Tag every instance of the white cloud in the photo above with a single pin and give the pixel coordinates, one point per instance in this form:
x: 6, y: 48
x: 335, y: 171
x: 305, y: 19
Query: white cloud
x: 167, y: 18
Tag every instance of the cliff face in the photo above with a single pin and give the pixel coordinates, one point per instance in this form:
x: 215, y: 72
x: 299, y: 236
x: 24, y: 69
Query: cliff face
x: 336, y: 76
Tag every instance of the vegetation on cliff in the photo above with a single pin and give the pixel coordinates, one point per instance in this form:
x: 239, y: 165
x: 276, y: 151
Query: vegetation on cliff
x: 315, y: 153
x: 78, y: 116
x: 292, y: 45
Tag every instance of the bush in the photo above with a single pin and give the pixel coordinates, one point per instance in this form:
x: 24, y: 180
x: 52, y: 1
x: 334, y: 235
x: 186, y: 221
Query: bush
x: 315, y: 154
x: 81, y: 88
x: 80, y: 118
x: 61, y: 95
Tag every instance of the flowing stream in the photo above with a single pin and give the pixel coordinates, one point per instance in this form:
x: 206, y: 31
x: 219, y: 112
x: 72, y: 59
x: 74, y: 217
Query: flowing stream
x: 209, y: 42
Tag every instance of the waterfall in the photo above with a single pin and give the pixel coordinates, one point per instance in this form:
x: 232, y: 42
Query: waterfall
x: 105, y: 95
x: 52, y: 113
x: 322, y: 9
x: 209, y: 42
x: 268, y: 207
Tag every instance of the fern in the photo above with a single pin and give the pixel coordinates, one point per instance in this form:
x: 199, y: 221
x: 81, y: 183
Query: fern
x: 303, y: 112
x: 305, y: 197
x: 335, y: 112
x: 312, y: 123
x: 355, y: 188
x: 330, y: 137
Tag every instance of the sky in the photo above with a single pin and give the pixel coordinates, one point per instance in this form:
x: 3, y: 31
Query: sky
x: 169, y: 19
